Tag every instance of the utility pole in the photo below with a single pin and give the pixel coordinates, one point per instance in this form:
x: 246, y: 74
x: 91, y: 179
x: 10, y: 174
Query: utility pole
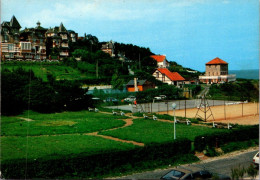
x: 97, y: 69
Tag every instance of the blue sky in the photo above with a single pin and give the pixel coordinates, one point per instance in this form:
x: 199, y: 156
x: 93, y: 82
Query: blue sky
x: 190, y: 32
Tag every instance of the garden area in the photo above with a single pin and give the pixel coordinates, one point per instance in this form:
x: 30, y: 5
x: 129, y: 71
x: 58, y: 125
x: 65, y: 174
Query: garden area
x: 77, y: 144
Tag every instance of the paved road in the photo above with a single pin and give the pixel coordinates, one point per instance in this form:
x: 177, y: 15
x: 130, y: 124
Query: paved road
x: 221, y: 165
x: 166, y: 106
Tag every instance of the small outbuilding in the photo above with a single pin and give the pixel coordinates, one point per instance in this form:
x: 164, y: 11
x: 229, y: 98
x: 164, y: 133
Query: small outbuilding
x: 139, y: 85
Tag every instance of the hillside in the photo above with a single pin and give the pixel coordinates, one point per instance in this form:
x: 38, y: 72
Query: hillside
x: 41, y: 70
x: 96, y: 64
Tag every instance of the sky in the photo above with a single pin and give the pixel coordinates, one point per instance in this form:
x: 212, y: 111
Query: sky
x: 189, y: 32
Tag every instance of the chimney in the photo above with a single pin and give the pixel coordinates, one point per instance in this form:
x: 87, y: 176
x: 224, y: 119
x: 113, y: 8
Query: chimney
x: 135, y: 84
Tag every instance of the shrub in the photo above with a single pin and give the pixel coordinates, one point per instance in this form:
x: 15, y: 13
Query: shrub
x: 97, y: 165
x: 233, y: 146
x: 245, y: 133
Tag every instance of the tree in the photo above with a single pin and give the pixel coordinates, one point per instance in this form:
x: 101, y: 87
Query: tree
x: 14, y: 90
x: 117, y: 82
x: 42, y: 97
x: 83, y: 54
x: 148, y: 64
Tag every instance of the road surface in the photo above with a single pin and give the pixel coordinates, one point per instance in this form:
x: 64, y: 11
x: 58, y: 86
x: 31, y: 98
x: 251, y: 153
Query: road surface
x: 221, y: 165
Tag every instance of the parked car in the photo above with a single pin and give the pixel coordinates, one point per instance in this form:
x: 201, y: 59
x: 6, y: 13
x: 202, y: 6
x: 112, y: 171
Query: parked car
x: 192, y: 173
x: 256, y: 160
x: 111, y: 99
x: 160, y: 97
x: 130, y: 99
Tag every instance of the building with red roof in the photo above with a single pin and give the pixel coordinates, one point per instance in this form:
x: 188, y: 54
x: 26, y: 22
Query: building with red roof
x: 161, y: 61
x: 216, y: 72
x: 166, y: 76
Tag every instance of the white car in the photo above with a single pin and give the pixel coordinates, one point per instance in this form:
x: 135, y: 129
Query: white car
x: 256, y: 159
x: 160, y: 97
x: 130, y: 99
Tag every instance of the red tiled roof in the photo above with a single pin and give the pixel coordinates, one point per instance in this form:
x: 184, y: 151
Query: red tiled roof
x: 216, y: 61
x: 173, y: 76
x: 158, y: 58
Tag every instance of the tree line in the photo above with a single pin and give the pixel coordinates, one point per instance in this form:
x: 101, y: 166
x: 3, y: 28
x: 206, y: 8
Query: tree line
x: 22, y: 90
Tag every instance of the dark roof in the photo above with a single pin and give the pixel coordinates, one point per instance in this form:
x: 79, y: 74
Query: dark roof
x: 71, y: 31
x: 5, y: 23
x: 54, y: 30
x: 139, y: 82
x: 107, y: 46
x: 14, y: 23
x: 39, y: 27
x: 62, y: 28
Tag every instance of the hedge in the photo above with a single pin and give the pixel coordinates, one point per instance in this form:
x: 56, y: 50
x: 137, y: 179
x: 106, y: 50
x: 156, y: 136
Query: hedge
x: 240, y: 134
x: 97, y: 165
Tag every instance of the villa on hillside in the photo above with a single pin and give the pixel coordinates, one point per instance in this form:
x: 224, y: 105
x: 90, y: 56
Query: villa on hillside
x: 217, y: 72
x: 109, y: 48
x: 166, y: 76
x: 161, y: 61
x: 33, y: 43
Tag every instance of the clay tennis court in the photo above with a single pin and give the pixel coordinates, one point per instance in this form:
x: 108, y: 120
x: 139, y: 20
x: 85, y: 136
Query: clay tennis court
x: 246, y: 114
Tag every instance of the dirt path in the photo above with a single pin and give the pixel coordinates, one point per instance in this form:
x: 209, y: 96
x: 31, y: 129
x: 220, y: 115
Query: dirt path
x: 128, y: 122
x: 115, y: 139
x: 26, y: 119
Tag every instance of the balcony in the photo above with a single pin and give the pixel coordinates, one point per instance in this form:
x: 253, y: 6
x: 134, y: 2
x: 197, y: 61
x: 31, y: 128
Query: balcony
x: 65, y: 45
x: 64, y: 53
x: 229, y: 77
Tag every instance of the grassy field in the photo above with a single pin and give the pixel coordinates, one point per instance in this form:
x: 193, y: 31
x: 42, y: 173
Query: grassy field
x: 42, y: 146
x: 41, y: 70
x: 35, y: 124
x: 35, y: 135
x: 148, y: 131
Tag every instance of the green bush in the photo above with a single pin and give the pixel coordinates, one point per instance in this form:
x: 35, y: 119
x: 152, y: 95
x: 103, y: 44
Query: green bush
x: 97, y: 165
x: 233, y: 146
x: 245, y: 133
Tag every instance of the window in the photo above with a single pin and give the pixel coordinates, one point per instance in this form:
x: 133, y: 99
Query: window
x: 157, y: 74
x: 10, y: 47
x: 25, y: 46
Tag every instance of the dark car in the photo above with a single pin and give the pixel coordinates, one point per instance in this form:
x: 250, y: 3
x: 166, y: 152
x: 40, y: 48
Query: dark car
x: 192, y: 173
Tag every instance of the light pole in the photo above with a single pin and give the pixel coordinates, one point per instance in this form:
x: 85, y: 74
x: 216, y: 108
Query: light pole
x: 174, y: 107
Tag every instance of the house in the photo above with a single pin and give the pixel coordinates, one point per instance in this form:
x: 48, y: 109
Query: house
x: 166, y: 76
x: 139, y: 85
x: 33, y: 43
x: 58, y: 37
x: 109, y: 48
x: 217, y: 72
x: 161, y: 61
x: 10, y: 39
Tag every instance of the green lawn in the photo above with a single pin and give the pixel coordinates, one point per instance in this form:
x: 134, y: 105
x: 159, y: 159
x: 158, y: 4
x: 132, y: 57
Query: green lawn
x: 42, y: 146
x: 58, y: 123
x: 64, y: 133
x: 57, y: 134
x: 148, y: 131
x: 41, y: 70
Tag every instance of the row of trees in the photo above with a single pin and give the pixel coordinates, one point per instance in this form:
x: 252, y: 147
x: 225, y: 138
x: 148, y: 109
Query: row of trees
x: 22, y: 90
x: 240, y: 90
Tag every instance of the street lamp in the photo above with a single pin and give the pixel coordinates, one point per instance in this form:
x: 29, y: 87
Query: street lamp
x: 174, y: 107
